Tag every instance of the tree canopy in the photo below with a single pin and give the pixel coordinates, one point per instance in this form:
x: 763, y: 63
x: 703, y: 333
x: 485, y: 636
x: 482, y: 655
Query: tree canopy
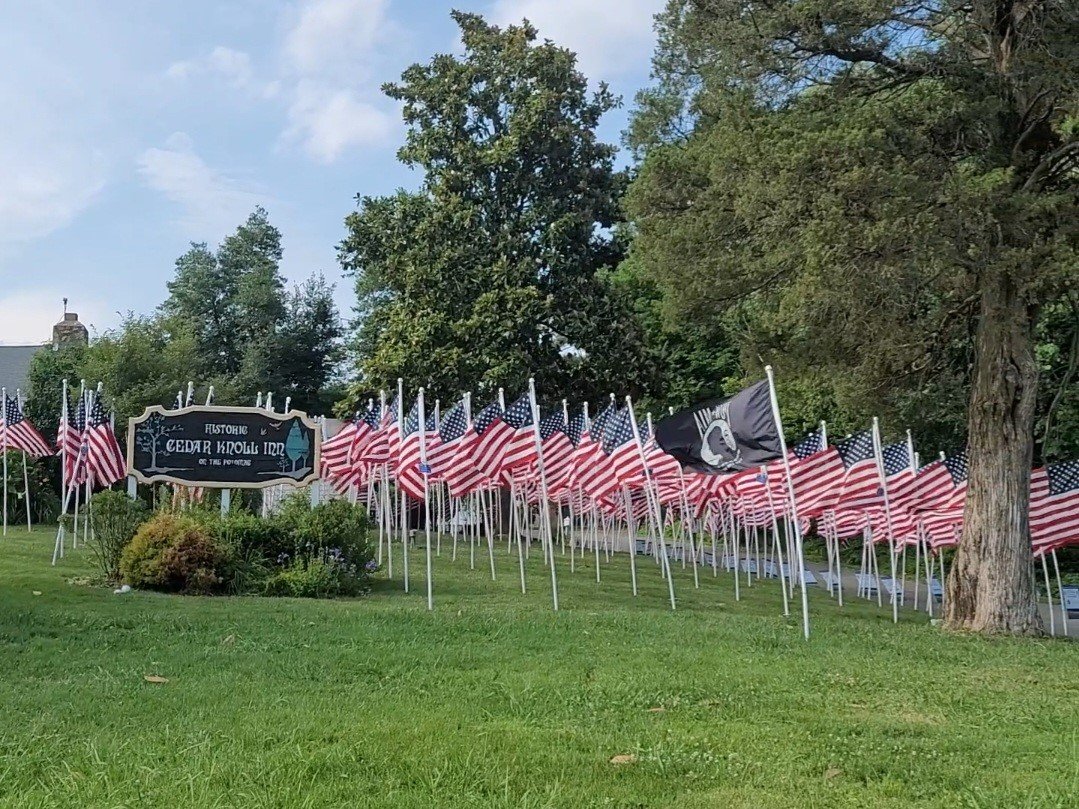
x: 494, y: 270
x: 880, y: 198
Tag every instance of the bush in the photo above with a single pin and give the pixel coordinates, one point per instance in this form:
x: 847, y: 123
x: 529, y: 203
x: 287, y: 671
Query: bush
x: 115, y: 518
x: 335, y: 526
x: 316, y: 578
x: 174, y: 554
x: 252, y: 544
x: 330, y: 552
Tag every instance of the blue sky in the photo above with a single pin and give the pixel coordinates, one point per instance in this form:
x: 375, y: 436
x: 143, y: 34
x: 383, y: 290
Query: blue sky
x: 130, y: 128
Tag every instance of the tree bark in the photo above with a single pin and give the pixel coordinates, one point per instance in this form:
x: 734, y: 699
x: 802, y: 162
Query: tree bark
x: 991, y: 583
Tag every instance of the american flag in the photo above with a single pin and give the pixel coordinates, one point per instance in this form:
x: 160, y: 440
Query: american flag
x: 493, y: 435
x: 589, y: 463
x: 520, y: 450
x: 860, y: 475
x: 377, y: 449
x: 623, y: 455
x: 1054, y: 506
x: 336, y: 451
x: 67, y: 439
x: 559, y: 449
x: 451, y: 431
x: 454, y: 462
x: 464, y: 475
x: 410, y: 469
x: 18, y: 433
x: 816, y: 472
x: 104, y: 459
x: 76, y: 446
x: 864, y: 489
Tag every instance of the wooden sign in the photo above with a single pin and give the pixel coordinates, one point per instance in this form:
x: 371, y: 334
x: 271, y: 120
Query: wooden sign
x: 223, y: 447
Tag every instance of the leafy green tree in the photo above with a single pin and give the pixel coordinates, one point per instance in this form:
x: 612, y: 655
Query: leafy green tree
x: 231, y: 299
x: 46, y: 375
x: 302, y: 357
x: 492, y: 270
x: 880, y: 196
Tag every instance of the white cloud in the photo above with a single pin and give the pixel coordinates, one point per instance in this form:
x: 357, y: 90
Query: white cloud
x: 328, y: 121
x: 29, y: 314
x: 612, y: 38
x: 332, y: 35
x: 225, y: 63
x: 211, y: 203
x: 327, y: 80
x: 45, y: 182
x: 335, y: 101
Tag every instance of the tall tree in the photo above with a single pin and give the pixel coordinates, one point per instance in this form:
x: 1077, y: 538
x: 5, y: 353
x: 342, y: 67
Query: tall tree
x: 231, y: 299
x: 491, y: 271
x: 301, y: 358
x: 887, y: 188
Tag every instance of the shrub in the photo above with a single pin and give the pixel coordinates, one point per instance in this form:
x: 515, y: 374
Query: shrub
x: 316, y: 578
x: 335, y: 526
x: 330, y: 552
x: 115, y: 518
x: 252, y: 543
x: 175, y: 554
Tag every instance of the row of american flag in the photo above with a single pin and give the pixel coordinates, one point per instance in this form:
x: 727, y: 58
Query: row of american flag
x: 842, y: 488
x: 590, y: 463
x: 86, y: 440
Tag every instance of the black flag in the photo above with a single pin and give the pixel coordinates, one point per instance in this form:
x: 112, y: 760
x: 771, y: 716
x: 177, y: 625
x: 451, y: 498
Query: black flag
x: 723, y: 435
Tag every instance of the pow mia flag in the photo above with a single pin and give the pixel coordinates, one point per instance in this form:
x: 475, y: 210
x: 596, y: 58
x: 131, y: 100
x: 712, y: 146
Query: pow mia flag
x: 723, y: 435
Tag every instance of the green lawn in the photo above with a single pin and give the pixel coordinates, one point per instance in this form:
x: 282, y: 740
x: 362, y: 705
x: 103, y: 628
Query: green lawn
x: 494, y: 700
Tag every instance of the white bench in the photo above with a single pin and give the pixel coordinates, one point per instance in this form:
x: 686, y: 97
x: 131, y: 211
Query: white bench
x: 936, y: 589
x: 892, y: 588
x: 866, y: 583
x: 785, y: 570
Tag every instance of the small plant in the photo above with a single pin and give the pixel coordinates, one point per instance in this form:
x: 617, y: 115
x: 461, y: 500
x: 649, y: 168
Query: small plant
x: 175, y: 554
x: 115, y: 518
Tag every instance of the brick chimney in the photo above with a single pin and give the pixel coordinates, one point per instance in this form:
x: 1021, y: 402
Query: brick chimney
x: 69, y: 332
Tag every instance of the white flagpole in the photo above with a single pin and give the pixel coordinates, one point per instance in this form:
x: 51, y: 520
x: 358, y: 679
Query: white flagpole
x: 25, y: 473
x: 1060, y: 594
x: 545, y: 507
x: 887, y: 518
x: 652, y: 504
x: 58, y: 546
x: 795, y: 522
x: 422, y: 427
x: 402, y: 498
x: 3, y: 396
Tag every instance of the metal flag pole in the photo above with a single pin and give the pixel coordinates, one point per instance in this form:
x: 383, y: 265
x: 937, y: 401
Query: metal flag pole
x: 425, y: 470
x: 3, y: 403
x: 887, y: 518
x: 654, y: 506
x: 545, y: 507
x: 25, y: 473
x: 58, y: 546
x: 1049, y: 597
x: 1060, y: 593
x: 402, y: 498
x: 795, y: 522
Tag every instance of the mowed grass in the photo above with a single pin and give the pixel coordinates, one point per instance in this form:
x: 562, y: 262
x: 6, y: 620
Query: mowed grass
x: 494, y: 700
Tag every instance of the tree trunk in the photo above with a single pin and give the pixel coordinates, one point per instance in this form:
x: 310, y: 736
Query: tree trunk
x: 991, y: 583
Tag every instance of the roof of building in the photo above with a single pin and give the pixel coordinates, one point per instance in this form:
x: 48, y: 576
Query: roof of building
x: 14, y: 366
